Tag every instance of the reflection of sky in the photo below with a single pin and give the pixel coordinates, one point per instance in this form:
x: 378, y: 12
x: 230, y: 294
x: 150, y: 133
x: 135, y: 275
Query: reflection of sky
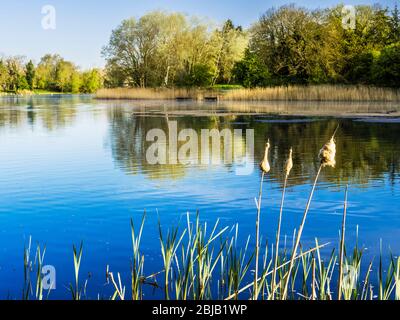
x: 62, y: 185
x: 84, y: 27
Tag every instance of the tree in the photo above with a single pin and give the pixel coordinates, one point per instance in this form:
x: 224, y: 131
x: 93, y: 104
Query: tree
x: 66, y: 72
x: 46, y: 72
x: 386, y: 68
x: 15, y: 71
x: 53, y: 73
x: 163, y: 49
x: 231, y: 42
x: 91, y: 81
x: 23, y: 83
x: 395, y: 24
x: 132, y: 49
x: 251, y: 72
x: 287, y: 40
x: 30, y: 74
x: 200, y: 76
x: 4, y: 79
x: 75, y: 82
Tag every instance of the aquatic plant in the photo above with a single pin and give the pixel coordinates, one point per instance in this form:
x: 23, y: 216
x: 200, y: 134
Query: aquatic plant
x: 265, y: 168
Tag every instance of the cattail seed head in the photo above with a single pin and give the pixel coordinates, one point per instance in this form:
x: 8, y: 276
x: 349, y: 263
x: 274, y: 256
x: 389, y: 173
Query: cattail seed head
x: 327, y: 154
x: 289, y: 163
x: 265, y: 163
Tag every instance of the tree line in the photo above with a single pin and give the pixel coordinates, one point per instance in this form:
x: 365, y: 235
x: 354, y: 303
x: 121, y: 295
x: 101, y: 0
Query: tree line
x: 287, y: 45
x: 170, y: 49
x: 52, y: 73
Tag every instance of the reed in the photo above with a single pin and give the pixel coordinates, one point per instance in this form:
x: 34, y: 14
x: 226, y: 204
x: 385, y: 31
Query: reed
x: 137, y: 275
x: 348, y: 93
x: 287, y: 169
x: 265, y: 168
x: 76, y: 290
x: 341, y: 252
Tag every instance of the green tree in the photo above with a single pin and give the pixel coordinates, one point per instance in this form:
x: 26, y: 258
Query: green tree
x: 30, y: 74
x: 23, y: 83
x: 251, y: 72
x: 200, y: 76
x: 91, y: 81
x: 386, y: 68
x: 65, y: 71
x: 287, y: 40
x: 15, y: 71
x: 46, y: 72
x: 231, y: 42
x: 75, y: 82
x: 3, y: 76
x: 132, y: 49
x: 162, y: 49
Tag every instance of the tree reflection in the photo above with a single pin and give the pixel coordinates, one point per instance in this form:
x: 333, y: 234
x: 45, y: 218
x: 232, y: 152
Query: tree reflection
x: 366, y: 150
x: 51, y: 112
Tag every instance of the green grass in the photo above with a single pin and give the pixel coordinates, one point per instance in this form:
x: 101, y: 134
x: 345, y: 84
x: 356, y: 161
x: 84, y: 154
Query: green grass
x: 226, y: 86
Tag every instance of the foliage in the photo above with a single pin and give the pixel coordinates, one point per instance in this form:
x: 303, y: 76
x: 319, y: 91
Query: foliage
x: 289, y: 45
x: 166, y: 49
x: 91, y: 81
x: 298, y: 45
x: 52, y: 73
x: 386, y: 68
x: 251, y: 72
x: 30, y: 74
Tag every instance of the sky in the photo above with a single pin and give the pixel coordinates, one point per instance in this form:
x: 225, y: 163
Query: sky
x: 84, y: 27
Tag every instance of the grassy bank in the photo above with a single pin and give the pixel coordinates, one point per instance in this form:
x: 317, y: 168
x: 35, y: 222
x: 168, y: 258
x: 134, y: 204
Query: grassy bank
x: 291, y: 93
x: 202, y: 262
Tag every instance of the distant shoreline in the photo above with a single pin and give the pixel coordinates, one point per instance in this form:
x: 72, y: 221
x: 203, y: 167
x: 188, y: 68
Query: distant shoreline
x: 316, y: 93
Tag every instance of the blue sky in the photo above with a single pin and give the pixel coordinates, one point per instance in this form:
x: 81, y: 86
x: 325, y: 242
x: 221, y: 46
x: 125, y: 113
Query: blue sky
x: 83, y: 27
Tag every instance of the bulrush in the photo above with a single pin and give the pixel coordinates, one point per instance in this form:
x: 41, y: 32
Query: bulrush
x: 327, y: 156
x: 328, y: 153
x: 289, y: 163
x: 265, y: 167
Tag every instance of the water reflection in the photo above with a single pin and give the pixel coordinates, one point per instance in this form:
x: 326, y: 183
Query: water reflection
x: 368, y: 149
x: 50, y: 112
x: 365, y: 150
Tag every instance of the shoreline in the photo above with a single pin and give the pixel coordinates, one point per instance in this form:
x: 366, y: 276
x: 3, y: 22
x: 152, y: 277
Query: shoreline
x: 314, y: 93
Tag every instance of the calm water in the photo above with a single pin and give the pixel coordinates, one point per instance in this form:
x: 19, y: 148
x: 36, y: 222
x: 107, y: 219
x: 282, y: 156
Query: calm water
x: 74, y: 169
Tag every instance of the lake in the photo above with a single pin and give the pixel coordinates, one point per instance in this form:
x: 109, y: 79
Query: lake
x: 74, y: 169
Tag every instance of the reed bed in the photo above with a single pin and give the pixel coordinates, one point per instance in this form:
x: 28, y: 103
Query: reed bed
x: 199, y: 262
x: 154, y: 93
x: 278, y: 93
x: 315, y: 93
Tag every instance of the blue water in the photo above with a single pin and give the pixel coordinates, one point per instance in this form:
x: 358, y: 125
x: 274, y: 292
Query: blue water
x: 73, y: 169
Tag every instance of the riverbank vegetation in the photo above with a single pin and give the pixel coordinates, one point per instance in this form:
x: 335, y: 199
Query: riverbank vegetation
x: 52, y: 74
x: 286, y: 46
x: 344, y: 93
x: 200, y: 262
x: 289, y: 51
